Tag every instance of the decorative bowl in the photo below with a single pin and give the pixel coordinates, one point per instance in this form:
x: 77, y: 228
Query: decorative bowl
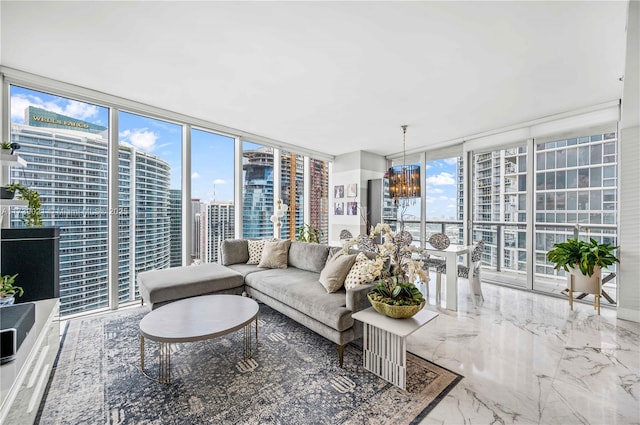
x: 396, y: 311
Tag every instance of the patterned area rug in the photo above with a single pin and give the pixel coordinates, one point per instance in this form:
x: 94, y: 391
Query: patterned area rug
x: 293, y: 378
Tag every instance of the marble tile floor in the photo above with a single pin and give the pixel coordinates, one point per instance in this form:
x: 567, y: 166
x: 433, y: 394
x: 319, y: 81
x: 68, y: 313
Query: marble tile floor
x: 528, y: 359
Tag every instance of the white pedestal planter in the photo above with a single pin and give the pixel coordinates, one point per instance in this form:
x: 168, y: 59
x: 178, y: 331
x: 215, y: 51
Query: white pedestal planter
x: 581, y: 283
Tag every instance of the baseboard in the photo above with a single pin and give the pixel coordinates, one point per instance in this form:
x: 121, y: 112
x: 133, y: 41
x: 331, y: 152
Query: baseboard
x: 628, y: 314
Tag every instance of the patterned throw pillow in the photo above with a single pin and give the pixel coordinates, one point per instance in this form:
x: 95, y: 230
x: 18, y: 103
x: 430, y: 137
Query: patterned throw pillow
x: 359, y: 273
x: 255, y: 250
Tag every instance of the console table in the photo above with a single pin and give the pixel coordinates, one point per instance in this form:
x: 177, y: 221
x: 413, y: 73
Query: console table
x: 24, y: 379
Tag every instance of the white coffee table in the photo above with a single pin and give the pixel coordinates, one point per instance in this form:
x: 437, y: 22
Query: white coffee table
x: 196, y: 319
x: 385, y: 343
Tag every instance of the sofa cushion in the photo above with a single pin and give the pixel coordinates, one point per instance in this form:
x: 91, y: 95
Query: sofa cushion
x: 335, y: 271
x: 234, y: 251
x: 308, y: 256
x: 245, y: 269
x: 301, y: 290
x: 274, y: 255
x: 183, y: 282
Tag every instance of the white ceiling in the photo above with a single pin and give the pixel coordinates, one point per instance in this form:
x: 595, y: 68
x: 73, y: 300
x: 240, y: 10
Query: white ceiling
x: 334, y: 77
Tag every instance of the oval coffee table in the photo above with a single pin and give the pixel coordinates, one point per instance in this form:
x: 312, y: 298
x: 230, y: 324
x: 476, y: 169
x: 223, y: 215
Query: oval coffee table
x: 196, y: 319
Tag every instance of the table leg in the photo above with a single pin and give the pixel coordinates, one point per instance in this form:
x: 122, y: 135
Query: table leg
x: 452, y: 283
x: 142, y: 352
x: 247, y: 341
x: 385, y: 354
x: 164, y: 363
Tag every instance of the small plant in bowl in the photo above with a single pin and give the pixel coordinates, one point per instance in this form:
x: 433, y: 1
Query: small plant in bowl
x: 395, y: 299
x: 10, y: 146
x: 8, y: 290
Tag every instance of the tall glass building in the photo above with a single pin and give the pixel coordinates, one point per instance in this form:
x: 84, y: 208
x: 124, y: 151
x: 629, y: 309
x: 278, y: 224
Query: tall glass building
x: 175, y: 220
x: 257, y: 193
x: 67, y: 165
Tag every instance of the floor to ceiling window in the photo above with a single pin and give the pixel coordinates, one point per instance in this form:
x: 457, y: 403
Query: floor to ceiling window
x: 292, y: 193
x: 499, y: 213
x: 212, y: 194
x: 319, y: 197
x: 64, y: 143
x: 575, y: 195
x: 257, y: 191
x: 152, y: 151
x: 443, y: 189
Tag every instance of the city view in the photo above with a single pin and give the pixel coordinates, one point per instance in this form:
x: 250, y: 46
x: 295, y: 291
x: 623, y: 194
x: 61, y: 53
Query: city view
x: 65, y: 145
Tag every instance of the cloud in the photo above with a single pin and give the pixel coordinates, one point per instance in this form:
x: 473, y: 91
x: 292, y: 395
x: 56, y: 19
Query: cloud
x: 435, y: 190
x: 219, y: 181
x: 141, y: 138
x: 70, y: 108
x: 451, y: 161
x: 441, y: 179
x: 195, y: 175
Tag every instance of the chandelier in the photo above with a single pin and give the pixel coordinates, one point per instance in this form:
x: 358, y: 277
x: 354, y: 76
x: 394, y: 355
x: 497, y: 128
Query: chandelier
x: 404, y: 180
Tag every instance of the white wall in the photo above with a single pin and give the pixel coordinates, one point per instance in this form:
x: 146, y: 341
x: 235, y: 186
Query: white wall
x: 629, y: 178
x: 352, y: 168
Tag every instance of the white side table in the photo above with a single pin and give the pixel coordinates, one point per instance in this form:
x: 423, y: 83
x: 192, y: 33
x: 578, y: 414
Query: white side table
x: 385, y: 343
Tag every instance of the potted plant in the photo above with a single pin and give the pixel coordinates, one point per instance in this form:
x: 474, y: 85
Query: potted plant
x: 308, y: 233
x: 8, y: 290
x: 10, y: 147
x: 584, y: 260
x: 33, y: 217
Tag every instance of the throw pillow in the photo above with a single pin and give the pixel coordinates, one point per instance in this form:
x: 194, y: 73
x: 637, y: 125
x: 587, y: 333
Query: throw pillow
x: 274, y: 255
x: 335, y: 271
x: 360, y: 273
x: 255, y: 250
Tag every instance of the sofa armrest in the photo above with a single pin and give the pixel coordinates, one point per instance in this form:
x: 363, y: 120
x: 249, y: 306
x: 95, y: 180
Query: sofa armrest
x: 357, y: 297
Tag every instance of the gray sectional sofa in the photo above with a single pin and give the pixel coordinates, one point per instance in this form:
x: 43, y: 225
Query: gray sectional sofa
x: 294, y: 291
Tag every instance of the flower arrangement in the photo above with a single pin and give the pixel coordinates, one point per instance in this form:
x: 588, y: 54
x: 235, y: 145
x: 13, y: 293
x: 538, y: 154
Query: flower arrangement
x: 393, y: 266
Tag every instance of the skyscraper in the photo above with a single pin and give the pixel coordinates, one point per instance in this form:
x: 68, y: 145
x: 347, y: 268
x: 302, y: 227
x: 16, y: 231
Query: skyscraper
x: 218, y: 225
x: 67, y: 165
x: 175, y: 223
x: 258, y: 193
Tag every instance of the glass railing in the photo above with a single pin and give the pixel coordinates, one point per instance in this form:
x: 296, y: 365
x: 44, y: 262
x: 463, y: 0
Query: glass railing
x: 505, y: 261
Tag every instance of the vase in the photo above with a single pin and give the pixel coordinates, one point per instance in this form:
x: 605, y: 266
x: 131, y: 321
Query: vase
x: 5, y: 301
x: 396, y: 311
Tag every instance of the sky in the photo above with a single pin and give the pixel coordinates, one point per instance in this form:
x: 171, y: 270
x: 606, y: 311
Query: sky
x: 212, y: 163
x: 212, y: 154
x: 440, y: 185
